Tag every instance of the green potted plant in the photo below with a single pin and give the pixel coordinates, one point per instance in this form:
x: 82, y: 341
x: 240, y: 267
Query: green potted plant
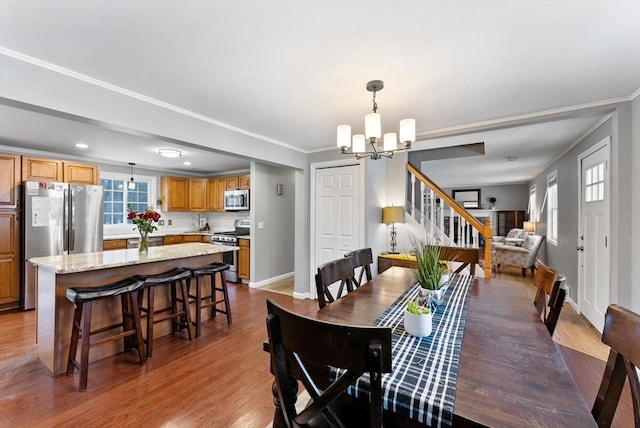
x: 418, y: 320
x: 492, y: 201
x: 429, y: 271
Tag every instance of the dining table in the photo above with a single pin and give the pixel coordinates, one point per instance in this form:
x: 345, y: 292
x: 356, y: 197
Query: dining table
x: 504, y: 369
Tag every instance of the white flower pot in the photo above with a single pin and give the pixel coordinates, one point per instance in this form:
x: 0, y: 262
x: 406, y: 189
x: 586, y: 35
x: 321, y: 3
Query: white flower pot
x: 418, y: 325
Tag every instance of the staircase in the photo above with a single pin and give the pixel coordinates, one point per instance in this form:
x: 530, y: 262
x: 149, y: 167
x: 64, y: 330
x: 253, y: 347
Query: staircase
x: 445, y: 220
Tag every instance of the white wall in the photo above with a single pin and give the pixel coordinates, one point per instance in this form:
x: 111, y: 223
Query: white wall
x: 272, y: 246
x: 635, y: 209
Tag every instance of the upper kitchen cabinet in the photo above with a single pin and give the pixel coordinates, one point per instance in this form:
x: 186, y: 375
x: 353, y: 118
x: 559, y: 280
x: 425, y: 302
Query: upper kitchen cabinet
x: 9, y: 180
x: 41, y: 169
x: 238, y: 182
x: 244, y: 182
x: 56, y: 170
x: 80, y: 173
x: 232, y: 183
x: 175, y: 193
x: 215, y: 194
x: 198, y: 194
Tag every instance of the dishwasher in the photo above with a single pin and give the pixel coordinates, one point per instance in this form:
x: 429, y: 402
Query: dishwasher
x: 155, y: 241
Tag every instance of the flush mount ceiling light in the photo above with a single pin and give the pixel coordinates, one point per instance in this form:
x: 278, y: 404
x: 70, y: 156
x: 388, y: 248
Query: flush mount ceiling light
x: 170, y: 153
x: 82, y: 146
x: 187, y: 163
x: 373, y: 133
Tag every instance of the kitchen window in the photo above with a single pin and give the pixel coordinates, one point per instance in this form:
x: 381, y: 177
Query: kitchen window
x: 120, y: 193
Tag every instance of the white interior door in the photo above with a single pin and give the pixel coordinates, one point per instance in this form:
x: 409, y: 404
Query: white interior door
x: 338, y: 213
x: 593, y: 242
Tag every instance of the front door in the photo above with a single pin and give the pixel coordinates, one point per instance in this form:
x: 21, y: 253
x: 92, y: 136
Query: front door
x: 338, y: 213
x: 593, y: 239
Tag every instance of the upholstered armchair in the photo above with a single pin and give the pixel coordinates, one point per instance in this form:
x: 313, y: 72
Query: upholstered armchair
x: 523, y: 256
x: 514, y: 237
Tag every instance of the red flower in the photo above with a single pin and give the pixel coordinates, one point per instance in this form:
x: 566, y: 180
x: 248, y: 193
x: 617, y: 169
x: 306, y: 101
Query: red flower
x: 145, y: 221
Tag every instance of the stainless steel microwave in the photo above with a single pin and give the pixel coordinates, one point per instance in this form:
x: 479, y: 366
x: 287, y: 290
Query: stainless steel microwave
x: 236, y: 200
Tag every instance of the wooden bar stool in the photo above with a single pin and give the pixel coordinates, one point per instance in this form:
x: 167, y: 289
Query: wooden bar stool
x: 180, y: 319
x: 211, y: 270
x: 82, y: 299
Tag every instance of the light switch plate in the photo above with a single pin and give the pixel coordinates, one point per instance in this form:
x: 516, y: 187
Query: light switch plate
x: 260, y: 225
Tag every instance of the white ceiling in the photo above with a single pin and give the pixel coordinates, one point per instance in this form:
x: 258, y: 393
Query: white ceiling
x: 292, y: 70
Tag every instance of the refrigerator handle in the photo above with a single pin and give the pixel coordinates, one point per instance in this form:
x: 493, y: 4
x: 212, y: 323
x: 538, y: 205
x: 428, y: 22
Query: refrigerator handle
x: 72, y: 221
x: 65, y: 222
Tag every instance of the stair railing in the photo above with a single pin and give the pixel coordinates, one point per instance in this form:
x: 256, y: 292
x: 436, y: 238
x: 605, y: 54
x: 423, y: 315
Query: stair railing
x: 424, y: 207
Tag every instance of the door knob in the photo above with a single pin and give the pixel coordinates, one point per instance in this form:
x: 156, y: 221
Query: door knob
x: 580, y: 248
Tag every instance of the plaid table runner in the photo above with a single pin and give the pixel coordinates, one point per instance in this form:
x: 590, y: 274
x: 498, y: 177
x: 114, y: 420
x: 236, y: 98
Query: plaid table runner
x: 422, y: 385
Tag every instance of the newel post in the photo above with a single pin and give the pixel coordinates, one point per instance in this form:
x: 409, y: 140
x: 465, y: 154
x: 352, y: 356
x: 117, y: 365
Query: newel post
x: 488, y: 234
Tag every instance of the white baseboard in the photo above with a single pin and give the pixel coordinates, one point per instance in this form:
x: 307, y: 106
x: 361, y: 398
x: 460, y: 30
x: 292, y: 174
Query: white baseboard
x: 573, y: 304
x: 270, y: 280
x: 301, y: 295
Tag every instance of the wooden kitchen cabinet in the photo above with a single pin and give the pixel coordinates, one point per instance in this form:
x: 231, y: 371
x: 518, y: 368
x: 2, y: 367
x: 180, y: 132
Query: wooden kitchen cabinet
x: 232, y: 183
x: 191, y: 238
x: 9, y: 181
x: 114, y: 244
x: 215, y: 194
x: 198, y: 194
x: 244, y: 182
x: 244, y: 258
x: 41, y: 169
x: 11, y: 242
x: 9, y: 259
x: 238, y: 182
x: 80, y: 173
x: 175, y: 193
x: 173, y: 239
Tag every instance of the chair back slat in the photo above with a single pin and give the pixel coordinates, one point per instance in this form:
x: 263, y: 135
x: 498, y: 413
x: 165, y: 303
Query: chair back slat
x: 622, y: 334
x: 362, y: 259
x: 300, y: 346
x: 330, y: 273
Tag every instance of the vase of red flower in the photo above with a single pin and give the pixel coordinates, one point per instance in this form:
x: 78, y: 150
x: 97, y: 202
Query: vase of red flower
x: 145, y: 221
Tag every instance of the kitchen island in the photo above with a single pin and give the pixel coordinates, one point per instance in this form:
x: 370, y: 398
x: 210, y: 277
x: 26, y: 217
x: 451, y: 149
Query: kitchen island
x: 54, y: 313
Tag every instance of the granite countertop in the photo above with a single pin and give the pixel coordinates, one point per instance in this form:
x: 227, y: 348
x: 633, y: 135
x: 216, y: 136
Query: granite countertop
x: 157, y: 233
x: 72, y: 263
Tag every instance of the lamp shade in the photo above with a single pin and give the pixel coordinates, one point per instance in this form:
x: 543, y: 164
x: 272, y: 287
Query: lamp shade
x: 372, y: 126
x: 529, y: 226
x: 344, y: 136
x: 407, y: 130
x: 392, y: 215
x: 390, y: 142
x: 358, y: 143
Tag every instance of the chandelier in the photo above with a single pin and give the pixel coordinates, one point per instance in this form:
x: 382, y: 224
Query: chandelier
x: 373, y: 133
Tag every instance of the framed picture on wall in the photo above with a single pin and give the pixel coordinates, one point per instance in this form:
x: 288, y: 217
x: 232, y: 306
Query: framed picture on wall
x: 470, y: 204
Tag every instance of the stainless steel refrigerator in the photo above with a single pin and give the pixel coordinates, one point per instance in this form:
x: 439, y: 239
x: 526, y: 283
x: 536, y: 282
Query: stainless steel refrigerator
x: 59, y: 218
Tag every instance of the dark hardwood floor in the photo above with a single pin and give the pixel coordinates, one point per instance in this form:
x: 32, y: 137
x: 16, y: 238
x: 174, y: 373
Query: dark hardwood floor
x: 221, y: 379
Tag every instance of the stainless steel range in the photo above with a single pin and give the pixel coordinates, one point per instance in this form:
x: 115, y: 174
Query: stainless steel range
x: 241, y: 228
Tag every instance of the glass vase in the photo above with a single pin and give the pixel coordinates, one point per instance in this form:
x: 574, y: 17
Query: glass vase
x: 143, y: 248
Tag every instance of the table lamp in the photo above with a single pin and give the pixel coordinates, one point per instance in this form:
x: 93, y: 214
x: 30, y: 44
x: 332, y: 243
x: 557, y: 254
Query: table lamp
x: 393, y: 215
x: 529, y: 226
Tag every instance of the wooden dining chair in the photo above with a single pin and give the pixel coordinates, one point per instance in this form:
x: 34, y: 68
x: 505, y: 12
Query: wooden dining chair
x: 301, y: 348
x: 330, y: 273
x: 622, y: 334
x: 361, y: 259
x: 549, y: 296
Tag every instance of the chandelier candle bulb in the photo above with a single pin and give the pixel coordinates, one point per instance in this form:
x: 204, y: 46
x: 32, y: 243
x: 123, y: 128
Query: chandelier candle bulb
x: 390, y: 142
x: 358, y: 143
x: 408, y: 131
x: 344, y: 136
x: 372, y: 127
